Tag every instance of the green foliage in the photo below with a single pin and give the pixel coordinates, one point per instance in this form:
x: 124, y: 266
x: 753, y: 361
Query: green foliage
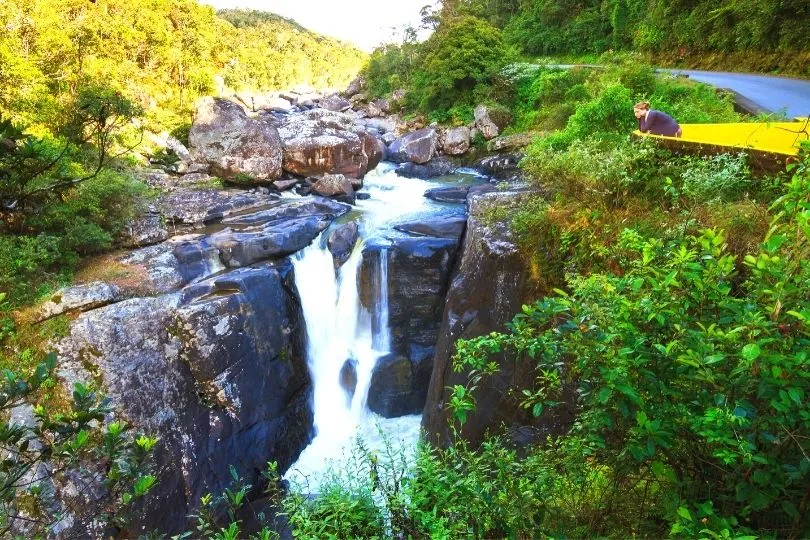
x: 553, y: 27
x: 456, y: 67
x: 55, y: 445
x: 681, y: 367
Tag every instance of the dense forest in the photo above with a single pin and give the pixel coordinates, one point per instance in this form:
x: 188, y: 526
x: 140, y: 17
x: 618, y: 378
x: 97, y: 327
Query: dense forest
x: 160, y: 55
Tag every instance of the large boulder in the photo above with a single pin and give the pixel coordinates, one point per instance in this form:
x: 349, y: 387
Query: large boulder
x: 500, y: 166
x: 456, y: 141
x: 490, y: 285
x: 490, y: 121
x: 443, y: 227
x: 438, y: 166
x: 418, y: 147
x: 217, y: 372
x: 336, y: 186
x: 341, y: 242
x: 193, y: 207
x: 237, y: 147
x: 78, y: 298
x: 336, y: 103
x: 325, y: 142
x: 511, y: 142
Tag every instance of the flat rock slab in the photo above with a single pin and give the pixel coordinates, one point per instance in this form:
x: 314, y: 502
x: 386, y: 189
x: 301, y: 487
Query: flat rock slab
x: 78, y: 298
x: 445, y: 227
x: 193, y: 207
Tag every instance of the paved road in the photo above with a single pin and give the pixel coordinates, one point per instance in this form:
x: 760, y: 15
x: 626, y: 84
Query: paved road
x: 770, y: 93
x: 765, y: 92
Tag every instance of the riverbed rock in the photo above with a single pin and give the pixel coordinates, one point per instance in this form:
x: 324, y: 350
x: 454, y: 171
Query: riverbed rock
x: 336, y: 186
x: 438, y: 166
x: 419, y: 271
x: 511, y: 142
x: 145, y: 229
x: 456, y: 141
x: 490, y: 121
x: 348, y: 379
x: 355, y: 87
x: 336, y: 103
x: 237, y: 147
x: 418, y: 147
x: 325, y: 142
x: 490, y: 285
x: 341, y: 242
x: 205, y: 205
x: 500, y: 166
x: 275, y: 232
x: 441, y: 227
x: 188, y: 368
x: 448, y: 194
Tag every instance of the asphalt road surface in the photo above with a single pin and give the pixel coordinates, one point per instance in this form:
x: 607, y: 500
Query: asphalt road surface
x: 773, y: 94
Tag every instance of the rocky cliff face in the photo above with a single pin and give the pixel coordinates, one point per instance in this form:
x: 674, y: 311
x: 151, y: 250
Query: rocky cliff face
x: 489, y: 287
x: 419, y: 269
x: 209, y: 359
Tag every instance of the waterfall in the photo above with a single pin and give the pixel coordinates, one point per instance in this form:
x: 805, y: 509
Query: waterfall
x: 338, y: 329
x: 382, y: 331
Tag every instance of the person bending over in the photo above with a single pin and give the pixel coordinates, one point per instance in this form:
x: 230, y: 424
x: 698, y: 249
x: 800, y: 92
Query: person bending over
x: 655, y: 122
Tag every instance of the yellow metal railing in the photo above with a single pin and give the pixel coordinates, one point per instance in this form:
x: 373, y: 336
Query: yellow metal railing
x: 775, y: 137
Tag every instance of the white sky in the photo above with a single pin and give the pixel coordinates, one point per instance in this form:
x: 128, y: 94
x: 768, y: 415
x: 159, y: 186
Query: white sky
x: 365, y: 23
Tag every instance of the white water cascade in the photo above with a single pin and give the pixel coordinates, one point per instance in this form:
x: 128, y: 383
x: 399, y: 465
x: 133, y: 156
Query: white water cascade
x: 340, y: 328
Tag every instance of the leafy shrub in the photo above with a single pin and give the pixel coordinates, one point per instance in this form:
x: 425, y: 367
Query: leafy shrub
x: 719, y: 178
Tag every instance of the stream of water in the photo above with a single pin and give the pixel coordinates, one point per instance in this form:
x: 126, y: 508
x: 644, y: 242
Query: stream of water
x: 340, y: 328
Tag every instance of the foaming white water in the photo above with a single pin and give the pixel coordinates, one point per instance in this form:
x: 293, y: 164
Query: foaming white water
x: 338, y: 329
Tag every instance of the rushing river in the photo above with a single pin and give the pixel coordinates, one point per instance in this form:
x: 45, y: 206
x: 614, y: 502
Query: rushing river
x: 339, y: 327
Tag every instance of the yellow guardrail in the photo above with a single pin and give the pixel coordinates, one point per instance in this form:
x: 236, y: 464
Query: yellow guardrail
x: 774, y: 137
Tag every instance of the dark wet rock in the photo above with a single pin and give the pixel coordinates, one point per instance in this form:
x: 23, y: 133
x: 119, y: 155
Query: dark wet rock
x: 77, y: 299
x: 188, y: 368
x: 399, y: 383
x: 341, y: 242
x: 362, y: 196
x: 440, y: 227
x: 438, y: 166
x: 418, y: 147
x: 237, y: 147
x: 281, y: 210
x: 172, y: 264
x: 274, y: 232
x: 348, y: 378
x: 247, y: 246
x: 450, y: 194
x: 500, y: 165
x: 419, y: 272
x: 456, y: 141
x: 490, y: 285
